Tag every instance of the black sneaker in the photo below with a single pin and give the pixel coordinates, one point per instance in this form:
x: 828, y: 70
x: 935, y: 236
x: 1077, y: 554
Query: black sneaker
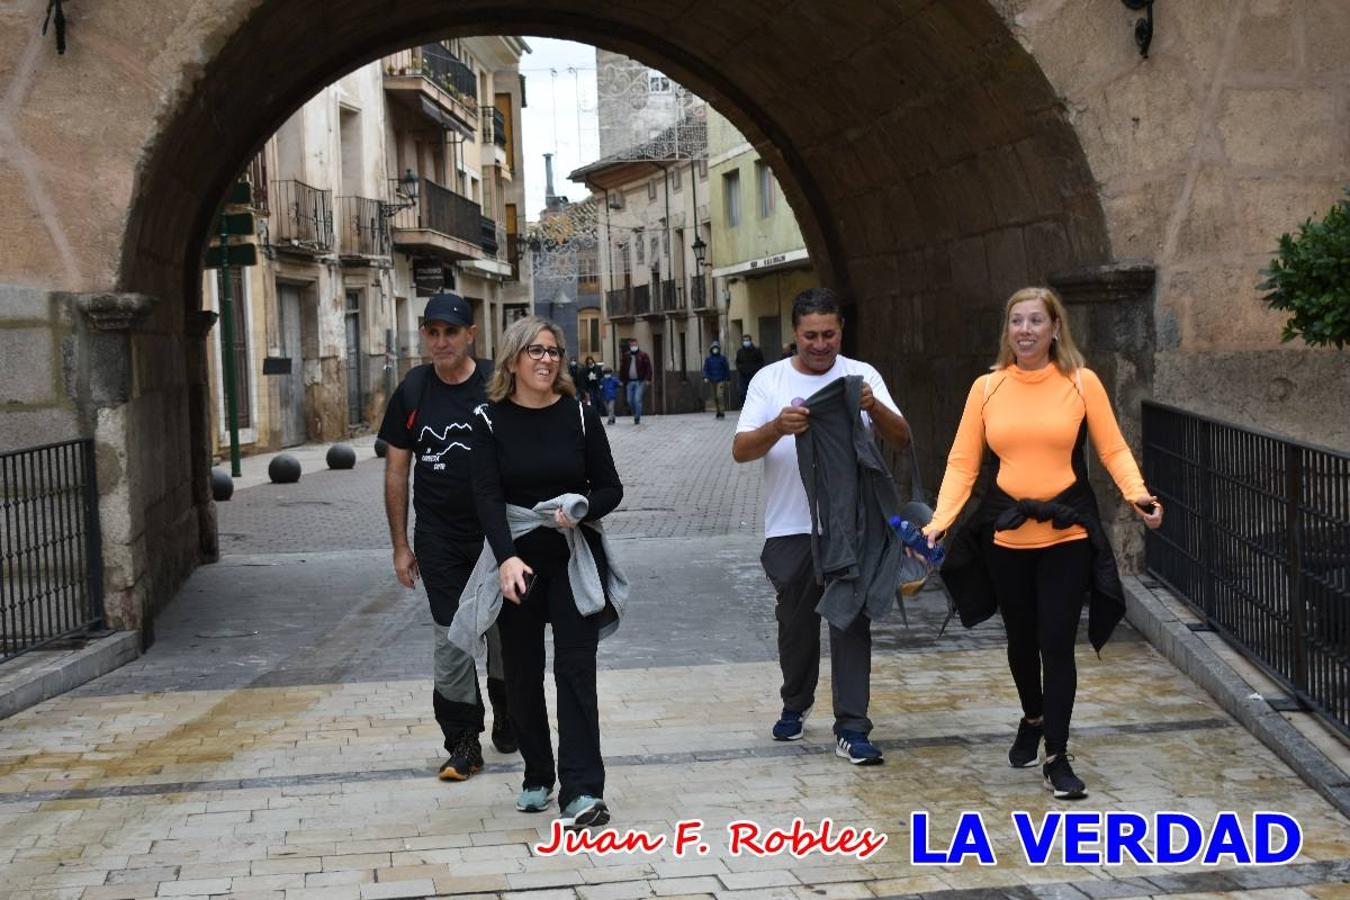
x: 1026, y: 749
x: 503, y: 735
x: 466, y: 758
x: 1060, y: 779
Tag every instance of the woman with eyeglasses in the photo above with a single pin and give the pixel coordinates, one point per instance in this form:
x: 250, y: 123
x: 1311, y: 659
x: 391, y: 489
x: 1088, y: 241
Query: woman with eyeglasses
x: 543, y: 477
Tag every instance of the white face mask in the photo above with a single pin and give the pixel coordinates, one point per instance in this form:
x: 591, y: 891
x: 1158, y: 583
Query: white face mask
x: 745, y: 343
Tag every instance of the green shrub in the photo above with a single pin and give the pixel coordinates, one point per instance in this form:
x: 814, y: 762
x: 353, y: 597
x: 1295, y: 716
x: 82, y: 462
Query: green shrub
x: 1310, y: 278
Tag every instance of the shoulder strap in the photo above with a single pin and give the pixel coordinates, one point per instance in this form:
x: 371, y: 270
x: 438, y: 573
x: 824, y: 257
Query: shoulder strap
x: 581, y: 413
x: 414, y: 391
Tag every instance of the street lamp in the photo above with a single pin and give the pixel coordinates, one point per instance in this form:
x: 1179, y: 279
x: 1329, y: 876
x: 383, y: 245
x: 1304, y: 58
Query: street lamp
x: 405, y: 194
x: 700, y: 252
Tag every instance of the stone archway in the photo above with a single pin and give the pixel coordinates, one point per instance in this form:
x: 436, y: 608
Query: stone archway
x: 928, y: 159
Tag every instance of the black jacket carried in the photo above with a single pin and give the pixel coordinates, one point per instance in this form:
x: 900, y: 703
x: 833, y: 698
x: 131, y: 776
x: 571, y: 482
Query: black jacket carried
x: 969, y: 581
x: 852, y: 497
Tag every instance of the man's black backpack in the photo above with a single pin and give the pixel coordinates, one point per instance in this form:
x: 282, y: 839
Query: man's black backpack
x: 413, y: 390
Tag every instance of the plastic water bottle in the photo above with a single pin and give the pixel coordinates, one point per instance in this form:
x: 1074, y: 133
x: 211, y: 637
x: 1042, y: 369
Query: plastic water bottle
x: 915, y: 540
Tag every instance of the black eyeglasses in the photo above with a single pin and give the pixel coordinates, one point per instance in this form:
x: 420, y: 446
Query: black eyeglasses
x: 539, y: 351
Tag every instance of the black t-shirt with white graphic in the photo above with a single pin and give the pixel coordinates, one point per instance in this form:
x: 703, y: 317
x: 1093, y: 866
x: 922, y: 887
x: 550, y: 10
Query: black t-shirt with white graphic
x: 439, y: 436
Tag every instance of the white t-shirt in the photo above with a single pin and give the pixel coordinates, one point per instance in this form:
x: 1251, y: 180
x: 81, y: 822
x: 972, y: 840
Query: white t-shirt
x: 774, y: 387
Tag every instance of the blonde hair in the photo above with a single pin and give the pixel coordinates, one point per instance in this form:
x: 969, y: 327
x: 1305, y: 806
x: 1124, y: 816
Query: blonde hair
x: 1064, y: 353
x: 520, y: 334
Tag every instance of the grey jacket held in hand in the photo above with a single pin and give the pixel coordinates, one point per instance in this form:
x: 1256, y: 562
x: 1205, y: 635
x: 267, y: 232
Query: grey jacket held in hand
x: 852, y: 497
x: 481, y: 602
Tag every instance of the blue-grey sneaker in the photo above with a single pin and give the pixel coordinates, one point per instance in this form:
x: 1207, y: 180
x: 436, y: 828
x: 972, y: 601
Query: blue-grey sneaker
x: 533, y: 799
x: 857, y: 749
x: 585, y: 811
x: 790, y: 725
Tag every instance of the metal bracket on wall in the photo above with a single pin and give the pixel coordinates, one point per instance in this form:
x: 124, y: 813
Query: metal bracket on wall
x: 1143, y: 28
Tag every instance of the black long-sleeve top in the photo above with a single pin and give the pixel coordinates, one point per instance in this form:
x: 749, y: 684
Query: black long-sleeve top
x: 528, y: 455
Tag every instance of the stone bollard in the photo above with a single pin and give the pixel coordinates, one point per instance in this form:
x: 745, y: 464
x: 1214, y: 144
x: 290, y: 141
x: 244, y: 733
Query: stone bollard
x: 222, y: 485
x: 341, y: 456
x: 284, y: 469
x: 380, y: 447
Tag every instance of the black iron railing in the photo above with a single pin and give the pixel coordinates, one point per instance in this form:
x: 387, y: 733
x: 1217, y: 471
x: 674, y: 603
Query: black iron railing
x: 670, y: 300
x: 446, y: 69
x: 51, y: 581
x: 362, y: 230
x: 642, y: 299
x: 699, y: 295
x: 303, y: 215
x: 494, y: 125
x: 513, y: 254
x: 488, y: 236
x: 441, y: 209
x: 1256, y: 538
x: 619, y: 303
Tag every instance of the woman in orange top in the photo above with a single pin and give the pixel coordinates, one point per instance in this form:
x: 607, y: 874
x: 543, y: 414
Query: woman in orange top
x: 1036, y: 546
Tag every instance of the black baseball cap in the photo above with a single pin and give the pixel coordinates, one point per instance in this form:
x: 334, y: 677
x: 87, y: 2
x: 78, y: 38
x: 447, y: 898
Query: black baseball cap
x: 448, y: 308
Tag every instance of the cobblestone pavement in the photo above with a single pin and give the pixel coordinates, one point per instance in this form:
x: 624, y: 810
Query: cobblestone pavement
x: 277, y: 740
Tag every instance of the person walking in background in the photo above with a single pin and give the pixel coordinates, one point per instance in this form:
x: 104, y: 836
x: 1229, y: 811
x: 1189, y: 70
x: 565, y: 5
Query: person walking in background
x: 591, y: 374
x: 749, y: 360
x: 543, y: 477
x: 1035, y: 545
x: 428, y: 417
x: 768, y: 424
x: 717, y: 373
x: 635, y: 372
x: 609, y: 393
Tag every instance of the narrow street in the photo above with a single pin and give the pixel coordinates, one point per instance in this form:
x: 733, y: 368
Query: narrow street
x: 277, y: 739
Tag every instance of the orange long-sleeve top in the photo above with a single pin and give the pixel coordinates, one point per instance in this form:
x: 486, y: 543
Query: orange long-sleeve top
x: 1031, y: 421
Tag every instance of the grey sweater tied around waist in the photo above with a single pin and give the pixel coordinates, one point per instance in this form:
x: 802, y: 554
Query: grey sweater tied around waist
x: 481, y: 601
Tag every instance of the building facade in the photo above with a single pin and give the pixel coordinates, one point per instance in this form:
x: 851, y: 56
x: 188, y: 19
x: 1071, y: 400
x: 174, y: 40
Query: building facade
x: 758, y: 257
x: 400, y: 180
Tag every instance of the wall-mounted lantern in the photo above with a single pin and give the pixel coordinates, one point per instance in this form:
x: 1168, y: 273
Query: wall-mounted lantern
x: 1143, y: 28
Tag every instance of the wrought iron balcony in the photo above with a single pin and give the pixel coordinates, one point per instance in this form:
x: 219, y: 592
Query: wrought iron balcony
x: 362, y: 231
x: 494, y: 125
x: 447, y: 70
x: 700, y: 296
x: 619, y: 303
x: 488, y: 236
x: 670, y: 299
x: 304, y: 216
x: 642, y: 299
x: 441, y: 210
x: 513, y: 254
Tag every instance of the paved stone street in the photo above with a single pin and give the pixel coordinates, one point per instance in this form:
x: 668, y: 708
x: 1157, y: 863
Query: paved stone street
x: 277, y: 739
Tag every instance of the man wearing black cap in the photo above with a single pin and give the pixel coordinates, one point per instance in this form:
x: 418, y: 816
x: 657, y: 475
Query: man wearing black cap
x: 429, y: 416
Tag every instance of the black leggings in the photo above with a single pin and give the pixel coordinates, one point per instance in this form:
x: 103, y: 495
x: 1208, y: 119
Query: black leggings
x: 1040, y: 594
x: 550, y: 601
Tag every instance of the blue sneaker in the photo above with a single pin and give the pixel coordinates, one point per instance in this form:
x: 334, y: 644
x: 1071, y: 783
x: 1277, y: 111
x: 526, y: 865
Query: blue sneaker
x: 533, y: 799
x: 857, y: 749
x: 790, y: 725
x: 585, y: 811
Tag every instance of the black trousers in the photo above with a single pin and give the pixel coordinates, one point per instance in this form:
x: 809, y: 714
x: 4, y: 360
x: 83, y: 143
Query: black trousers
x: 787, y: 562
x: 580, y: 768
x: 1040, y: 595
x: 445, y: 566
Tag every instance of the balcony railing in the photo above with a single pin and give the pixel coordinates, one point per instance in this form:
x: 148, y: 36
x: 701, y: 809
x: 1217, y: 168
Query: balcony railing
x: 619, y: 303
x: 446, y: 70
x: 304, y: 216
x: 362, y: 231
x: 700, y: 296
x: 256, y: 175
x: 488, y: 239
x: 642, y: 299
x: 513, y: 254
x: 442, y: 210
x: 494, y: 125
x: 670, y: 301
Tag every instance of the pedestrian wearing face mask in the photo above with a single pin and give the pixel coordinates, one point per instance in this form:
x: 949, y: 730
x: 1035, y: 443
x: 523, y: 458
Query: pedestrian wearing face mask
x: 717, y: 373
x: 749, y: 360
x: 635, y: 373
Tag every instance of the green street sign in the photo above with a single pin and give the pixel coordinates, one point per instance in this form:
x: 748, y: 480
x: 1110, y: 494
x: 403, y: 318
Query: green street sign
x: 240, y: 255
x: 235, y: 223
x: 239, y: 192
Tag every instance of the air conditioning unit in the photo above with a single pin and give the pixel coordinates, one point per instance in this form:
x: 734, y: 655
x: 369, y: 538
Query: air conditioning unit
x: 616, y: 200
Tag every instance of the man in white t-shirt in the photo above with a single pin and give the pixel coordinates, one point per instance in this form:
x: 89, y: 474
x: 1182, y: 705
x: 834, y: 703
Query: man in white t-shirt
x: 769, y: 420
